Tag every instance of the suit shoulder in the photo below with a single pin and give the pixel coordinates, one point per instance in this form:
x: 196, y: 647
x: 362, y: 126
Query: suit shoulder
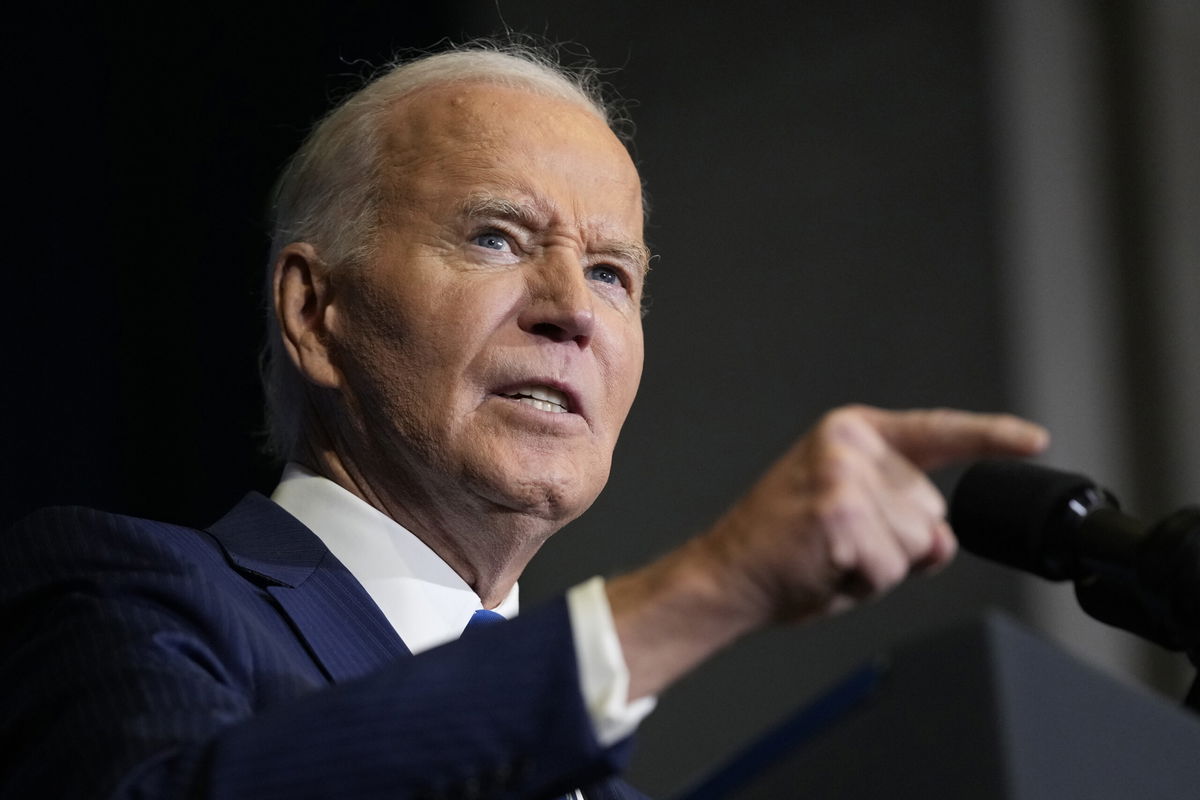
x: 60, y: 540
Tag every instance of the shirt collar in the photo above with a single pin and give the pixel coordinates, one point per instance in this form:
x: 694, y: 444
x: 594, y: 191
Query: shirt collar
x: 422, y: 597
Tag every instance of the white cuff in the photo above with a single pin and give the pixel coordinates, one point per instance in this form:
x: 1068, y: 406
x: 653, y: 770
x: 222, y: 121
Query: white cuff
x: 603, y: 675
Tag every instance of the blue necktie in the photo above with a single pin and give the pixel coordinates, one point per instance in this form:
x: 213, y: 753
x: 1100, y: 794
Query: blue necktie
x: 481, y: 618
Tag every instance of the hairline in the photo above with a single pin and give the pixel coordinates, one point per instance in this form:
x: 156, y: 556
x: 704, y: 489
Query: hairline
x: 348, y: 145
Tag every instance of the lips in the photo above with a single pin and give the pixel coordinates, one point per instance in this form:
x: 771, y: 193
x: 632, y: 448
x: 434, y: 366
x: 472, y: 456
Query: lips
x: 543, y: 398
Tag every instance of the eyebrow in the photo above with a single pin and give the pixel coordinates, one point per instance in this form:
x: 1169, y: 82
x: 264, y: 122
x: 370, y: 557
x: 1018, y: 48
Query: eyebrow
x: 529, y: 216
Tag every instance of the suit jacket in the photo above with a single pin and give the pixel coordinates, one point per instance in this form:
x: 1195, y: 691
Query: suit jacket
x: 142, y: 659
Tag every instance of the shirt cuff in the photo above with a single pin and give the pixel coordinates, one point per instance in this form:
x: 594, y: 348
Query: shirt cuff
x: 603, y: 675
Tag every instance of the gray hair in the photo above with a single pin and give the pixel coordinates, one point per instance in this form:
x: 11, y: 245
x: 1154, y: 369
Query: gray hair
x: 331, y: 191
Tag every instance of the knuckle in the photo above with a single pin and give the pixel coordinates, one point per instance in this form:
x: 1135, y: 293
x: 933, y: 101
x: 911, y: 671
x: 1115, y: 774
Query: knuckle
x: 843, y: 556
x: 837, y: 469
x: 929, y: 500
x: 843, y: 423
x: 937, y: 505
x: 885, y: 569
x: 891, y: 571
x: 838, y: 510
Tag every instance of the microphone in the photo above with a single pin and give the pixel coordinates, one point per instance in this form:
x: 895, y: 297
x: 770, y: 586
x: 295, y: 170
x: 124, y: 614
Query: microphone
x: 1058, y: 525
x: 1063, y: 526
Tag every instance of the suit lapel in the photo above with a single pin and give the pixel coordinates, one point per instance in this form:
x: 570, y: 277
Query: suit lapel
x: 344, y: 630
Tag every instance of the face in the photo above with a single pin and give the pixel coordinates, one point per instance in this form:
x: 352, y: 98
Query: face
x: 492, y: 346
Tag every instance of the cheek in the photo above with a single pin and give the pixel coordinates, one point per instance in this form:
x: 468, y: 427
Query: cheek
x: 624, y: 371
x: 384, y: 342
x: 433, y: 324
x: 465, y: 319
x: 479, y: 302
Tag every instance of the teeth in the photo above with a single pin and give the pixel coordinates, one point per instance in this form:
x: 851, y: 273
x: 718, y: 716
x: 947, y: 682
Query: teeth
x: 542, y: 405
x: 542, y: 398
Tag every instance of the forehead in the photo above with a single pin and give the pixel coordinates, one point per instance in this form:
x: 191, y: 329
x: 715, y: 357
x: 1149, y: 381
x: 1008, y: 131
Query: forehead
x: 453, y: 141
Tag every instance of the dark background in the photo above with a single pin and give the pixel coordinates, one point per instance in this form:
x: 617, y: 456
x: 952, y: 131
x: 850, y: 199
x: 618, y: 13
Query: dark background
x: 801, y: 172
x: 823, y: 177
x: 144, y: 142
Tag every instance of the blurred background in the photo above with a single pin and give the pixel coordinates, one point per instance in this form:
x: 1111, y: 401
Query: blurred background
x: 991, y: 205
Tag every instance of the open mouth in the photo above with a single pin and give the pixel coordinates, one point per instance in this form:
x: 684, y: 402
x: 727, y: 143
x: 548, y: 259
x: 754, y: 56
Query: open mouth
x: 543, y: 398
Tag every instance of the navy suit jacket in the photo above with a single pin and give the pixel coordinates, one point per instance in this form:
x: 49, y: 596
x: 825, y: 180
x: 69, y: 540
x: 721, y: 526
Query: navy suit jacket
x: 148, y: 660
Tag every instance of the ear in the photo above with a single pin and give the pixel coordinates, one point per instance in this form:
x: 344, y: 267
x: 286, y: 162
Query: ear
x: 303, y: 295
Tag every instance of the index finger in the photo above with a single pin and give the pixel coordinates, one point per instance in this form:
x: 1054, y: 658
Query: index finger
x: 933, y: 438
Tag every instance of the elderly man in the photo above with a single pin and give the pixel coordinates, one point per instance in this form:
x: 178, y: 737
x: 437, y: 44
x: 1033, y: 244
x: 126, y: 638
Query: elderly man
x: 455, y: 340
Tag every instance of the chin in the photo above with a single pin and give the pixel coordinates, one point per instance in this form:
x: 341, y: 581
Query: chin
x: 556, y: 496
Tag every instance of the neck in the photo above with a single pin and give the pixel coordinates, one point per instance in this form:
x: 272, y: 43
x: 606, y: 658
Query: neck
x: 486, y: 545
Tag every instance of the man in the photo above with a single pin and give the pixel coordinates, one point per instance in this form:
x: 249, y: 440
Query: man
x: 456, y: 281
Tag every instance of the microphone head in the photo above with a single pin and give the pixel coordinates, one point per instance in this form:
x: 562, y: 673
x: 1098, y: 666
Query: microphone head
x: 1021, y: 514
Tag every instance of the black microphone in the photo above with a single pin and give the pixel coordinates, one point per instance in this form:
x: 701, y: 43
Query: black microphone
x: 1062, y: 526
x: 1058, y: 525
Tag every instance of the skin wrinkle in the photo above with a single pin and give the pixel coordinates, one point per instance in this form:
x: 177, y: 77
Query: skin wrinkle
x: 424, y: 332
x: 482, y: 206
x: 412, y: 355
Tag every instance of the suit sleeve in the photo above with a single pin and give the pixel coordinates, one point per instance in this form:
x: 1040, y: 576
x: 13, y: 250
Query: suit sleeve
x: 133, y: 671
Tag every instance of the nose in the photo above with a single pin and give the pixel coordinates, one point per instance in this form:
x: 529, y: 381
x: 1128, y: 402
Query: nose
x: 559, y: 303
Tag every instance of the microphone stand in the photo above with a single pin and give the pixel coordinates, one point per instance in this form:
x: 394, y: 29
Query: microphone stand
x: 1156, y: 592
x: 1062, y: 526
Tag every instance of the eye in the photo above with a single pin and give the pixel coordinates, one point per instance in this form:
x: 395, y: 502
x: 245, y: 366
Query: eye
x: 604, y: 274
x: 492, y: 240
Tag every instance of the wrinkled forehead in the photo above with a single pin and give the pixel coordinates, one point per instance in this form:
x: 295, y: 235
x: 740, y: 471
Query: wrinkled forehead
x: 476, y: 105
x: 466, y: 130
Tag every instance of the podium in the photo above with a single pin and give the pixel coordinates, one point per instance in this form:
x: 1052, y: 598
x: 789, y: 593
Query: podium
x: 984, y: 711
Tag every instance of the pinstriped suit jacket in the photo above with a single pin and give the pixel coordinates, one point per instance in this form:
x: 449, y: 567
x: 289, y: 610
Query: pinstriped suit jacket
x: 148, y: 660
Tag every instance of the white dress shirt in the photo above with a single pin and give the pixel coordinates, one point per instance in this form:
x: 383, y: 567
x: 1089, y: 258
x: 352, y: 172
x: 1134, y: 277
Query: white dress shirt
x: 428, y: 604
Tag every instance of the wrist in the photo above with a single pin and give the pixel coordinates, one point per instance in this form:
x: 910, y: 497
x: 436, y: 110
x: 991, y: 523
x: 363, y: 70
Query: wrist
x: 678, y: 611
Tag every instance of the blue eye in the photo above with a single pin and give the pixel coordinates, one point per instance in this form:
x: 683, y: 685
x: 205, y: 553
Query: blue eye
x: 604, y: 274
x: 492, y: 240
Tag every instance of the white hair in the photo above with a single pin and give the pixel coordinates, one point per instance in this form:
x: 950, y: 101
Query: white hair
x: 331, y: 192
